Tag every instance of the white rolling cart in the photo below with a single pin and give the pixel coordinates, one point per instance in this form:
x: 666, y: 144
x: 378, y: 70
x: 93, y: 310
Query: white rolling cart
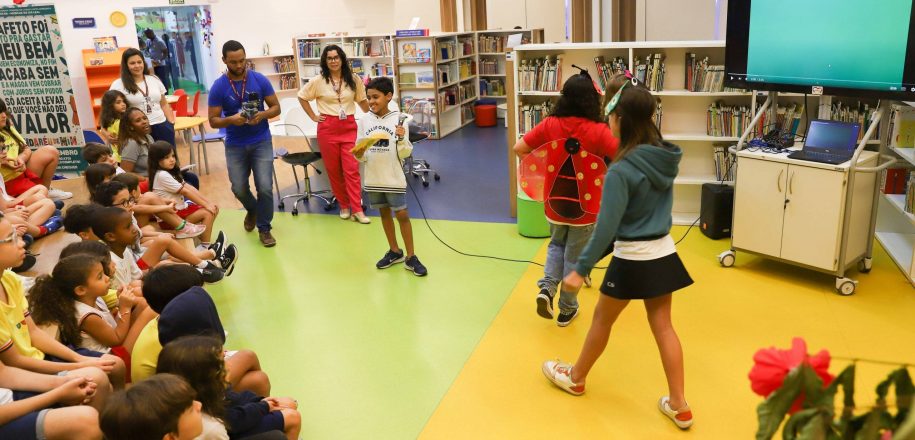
x: 814, y: 215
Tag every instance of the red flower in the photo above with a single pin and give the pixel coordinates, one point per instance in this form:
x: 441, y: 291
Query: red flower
x: 18, y: 2
x: 772, y: 365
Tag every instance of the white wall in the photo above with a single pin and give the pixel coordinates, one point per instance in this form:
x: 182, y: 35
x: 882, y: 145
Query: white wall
x: 546, y: 14
x: 677, y: 20
x: 251, y: 22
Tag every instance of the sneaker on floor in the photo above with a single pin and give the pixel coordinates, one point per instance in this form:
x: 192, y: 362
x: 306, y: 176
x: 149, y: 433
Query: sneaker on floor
x: 683, y: 417
x: 191, y: 230
x: 250, y: 221
x: 560, y: 373
x: 545, y: 304
x: 56, y: 194
x: 228, y: 259
x: 413, y: 265
x: 211, y: 273
x: 217, y: 245
x: 27, y: 263
x: 267, y: 239
x: 53, y: 224
x: 58, y: 204
x: 566, y: 318
x: 389, y: 259
x: 361, y: 218
x: 344, y: 213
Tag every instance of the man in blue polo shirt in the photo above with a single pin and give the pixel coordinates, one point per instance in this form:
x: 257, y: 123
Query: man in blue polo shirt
x: 249, y: 146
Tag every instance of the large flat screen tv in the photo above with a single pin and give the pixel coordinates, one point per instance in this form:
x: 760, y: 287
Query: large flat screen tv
x: 847, y: 47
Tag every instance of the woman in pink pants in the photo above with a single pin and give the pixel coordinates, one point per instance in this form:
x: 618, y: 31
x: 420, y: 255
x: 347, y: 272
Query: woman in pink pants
x: 337, y: 91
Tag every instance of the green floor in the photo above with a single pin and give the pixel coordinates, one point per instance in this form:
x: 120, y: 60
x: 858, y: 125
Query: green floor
x: 368, y: 353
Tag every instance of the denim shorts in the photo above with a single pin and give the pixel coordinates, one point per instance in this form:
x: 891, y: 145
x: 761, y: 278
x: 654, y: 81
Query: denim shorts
x: 395, y: 201
x: 29, y: 426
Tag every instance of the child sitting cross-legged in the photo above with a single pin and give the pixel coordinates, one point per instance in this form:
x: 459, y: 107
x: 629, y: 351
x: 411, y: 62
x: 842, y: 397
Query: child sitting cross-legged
x: 176, y: 292
x: 22, y: 343
x: 150, y: 207
x: 32, y: 211
x: 162, y: 407
x: 166, y: 181
x: 199, y: 360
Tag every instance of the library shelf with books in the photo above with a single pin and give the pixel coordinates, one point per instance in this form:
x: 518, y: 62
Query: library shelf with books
x: 895, y: 228
x: 280, y: 70
x: 492, y: 46
x: 370, y: 55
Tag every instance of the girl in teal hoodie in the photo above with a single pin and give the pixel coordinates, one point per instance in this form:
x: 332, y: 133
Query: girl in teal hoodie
x: 635, y: 214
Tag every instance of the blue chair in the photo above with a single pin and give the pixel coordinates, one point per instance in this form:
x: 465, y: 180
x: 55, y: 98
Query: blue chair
x: 200, y: 143
x: 92, y: 136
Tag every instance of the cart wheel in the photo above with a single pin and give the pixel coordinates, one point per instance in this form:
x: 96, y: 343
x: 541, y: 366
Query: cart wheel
x: 426, y: 183
x: 845, y: 286
x: 727, y: 258
x: 437, y: 177
x: 587, y: 280
x: 281, y: 206
x: 295, y: 212
x: 864, y: 266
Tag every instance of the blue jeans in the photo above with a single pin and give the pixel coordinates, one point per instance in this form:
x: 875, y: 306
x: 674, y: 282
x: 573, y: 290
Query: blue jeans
x: 566, y: 244
x: 163, y: 131
x: 241, y: 161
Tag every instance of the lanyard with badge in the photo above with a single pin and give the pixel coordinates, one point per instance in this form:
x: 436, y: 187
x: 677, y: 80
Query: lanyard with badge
x: 338, y: 89
x: 244, y: 86
x: 145, y: 94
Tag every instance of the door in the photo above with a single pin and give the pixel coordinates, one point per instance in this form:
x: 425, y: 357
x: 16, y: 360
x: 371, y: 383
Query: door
x: 759, y: 202
x: 813, y: 216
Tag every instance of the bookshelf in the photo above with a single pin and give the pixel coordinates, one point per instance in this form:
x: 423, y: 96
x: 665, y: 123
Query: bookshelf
x: 369, y: 55
x: 279, y: 69
x: 440, y: 68
x: 895, y: 228
x: 492, y: 47
x: 698, y: 121
x: 102, y: 69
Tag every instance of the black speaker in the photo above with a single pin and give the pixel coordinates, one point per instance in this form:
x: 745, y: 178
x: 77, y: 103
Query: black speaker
x: 717, y: 210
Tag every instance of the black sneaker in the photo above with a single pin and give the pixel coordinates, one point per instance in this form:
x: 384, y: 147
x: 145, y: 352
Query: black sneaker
x: 389, y: 259
x: 412, y: 264
x: 545, y: 304
x: 217, y: 244
x: 566, y: 318
x: 27, y: 263
x: 228, y: 259
x: 211, y: 273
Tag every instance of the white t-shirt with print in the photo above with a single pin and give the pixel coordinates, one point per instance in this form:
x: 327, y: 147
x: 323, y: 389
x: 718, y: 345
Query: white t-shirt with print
x: 125, y: 269
x: 155, y: 93
x: 101, y: 310
x: 167, y: 187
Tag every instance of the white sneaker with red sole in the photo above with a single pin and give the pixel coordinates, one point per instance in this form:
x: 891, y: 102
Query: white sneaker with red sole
x: 682, y: 417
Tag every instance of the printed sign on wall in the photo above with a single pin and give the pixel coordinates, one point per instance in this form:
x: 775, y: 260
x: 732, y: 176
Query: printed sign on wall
x: 35, y: 81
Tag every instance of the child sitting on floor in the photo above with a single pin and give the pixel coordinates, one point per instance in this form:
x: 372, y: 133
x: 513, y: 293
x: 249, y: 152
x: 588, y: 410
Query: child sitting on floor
x: 161, y: 407
x: 166, y: 181
x: 78, y: 220
x: 150, y: 206
x: 96, y: 174
x: 199, y: 360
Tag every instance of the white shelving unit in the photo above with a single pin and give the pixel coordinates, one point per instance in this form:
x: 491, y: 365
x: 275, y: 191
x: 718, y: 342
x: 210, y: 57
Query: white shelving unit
x: 280, y: 69
x: 492, y: 47
x: 373, y: 54
x: 685, y: 113
x: 895, y: 227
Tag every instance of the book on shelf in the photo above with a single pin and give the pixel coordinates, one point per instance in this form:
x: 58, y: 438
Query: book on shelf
x: 382, y: 69
x: 492, y: 87
x: 447, y: 98
x: 658, y: 115
x: 415, y: 52
x: 467, y: 91
x: 489, y: 67
x: 541, y: 74
x: 467, y: 68
x: 492, y: 43
x: 910, y: 193
x: 700, y: 76
x: 730, y: 121
x: 902, y: 126
x: 860, y: 113
x: 467, y: 112
x: 284, y: 65
x: 607, y: 69
x: 650, y: 71
x: 894, y: 180
x: 408, y: 79
x: 466, y: 47
x: 723, y: 164
x: 532, y: 114
x: 447, y: 50
x: 409, y: 104
x: 412, y: 33
x: 356, y: 66
x: 287, y: 82
x: 425, y: 79
x: 310, y: 49
x: 447, y: 73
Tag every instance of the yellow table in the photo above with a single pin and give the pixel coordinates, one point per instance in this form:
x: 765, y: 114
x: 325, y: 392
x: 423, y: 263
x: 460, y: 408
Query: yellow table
x: 186, y: 125
x: 171, y: 99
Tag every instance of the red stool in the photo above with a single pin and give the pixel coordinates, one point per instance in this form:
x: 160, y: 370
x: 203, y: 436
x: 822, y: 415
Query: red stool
x: 486, y: 116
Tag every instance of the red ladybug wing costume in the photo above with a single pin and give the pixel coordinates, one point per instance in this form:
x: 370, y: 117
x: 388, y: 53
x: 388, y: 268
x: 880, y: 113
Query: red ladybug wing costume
x: 567, y: 179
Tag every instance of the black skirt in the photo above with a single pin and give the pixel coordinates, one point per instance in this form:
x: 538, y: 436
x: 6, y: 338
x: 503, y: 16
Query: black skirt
x: 631, y: 279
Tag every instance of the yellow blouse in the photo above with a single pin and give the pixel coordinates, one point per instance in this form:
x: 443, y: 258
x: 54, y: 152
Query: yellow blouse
x: 322, y: 91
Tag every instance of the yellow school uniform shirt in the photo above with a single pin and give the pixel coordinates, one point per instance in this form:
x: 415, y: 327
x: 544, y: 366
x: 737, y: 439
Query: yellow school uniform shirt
x: 114, y: 128
x: 13, y: 330
x: 322, y: 92
x: 12, y: 152
x: 145, y: 355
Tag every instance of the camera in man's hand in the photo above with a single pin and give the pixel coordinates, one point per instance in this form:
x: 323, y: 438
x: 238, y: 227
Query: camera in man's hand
x: 249, y: 108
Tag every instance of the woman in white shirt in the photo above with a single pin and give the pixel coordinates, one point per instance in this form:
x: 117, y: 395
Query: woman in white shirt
x: 147, y: 93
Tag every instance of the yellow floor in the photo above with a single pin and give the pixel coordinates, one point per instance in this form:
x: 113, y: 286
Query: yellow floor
x: 722, y: 320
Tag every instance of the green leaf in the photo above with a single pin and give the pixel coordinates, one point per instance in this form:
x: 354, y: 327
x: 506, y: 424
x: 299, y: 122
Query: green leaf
x: 771, y: 411
x: 815, y: 429
x: 904, y: 391
x: 798, y: 422
x: 907, y: 430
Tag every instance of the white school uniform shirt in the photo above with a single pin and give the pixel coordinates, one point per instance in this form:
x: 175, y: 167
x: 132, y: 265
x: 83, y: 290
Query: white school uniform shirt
x: 101, y: 310
x: 125, y: 269
x: 167, y: 187
x: 155, y: 93
x: 213, y: 429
